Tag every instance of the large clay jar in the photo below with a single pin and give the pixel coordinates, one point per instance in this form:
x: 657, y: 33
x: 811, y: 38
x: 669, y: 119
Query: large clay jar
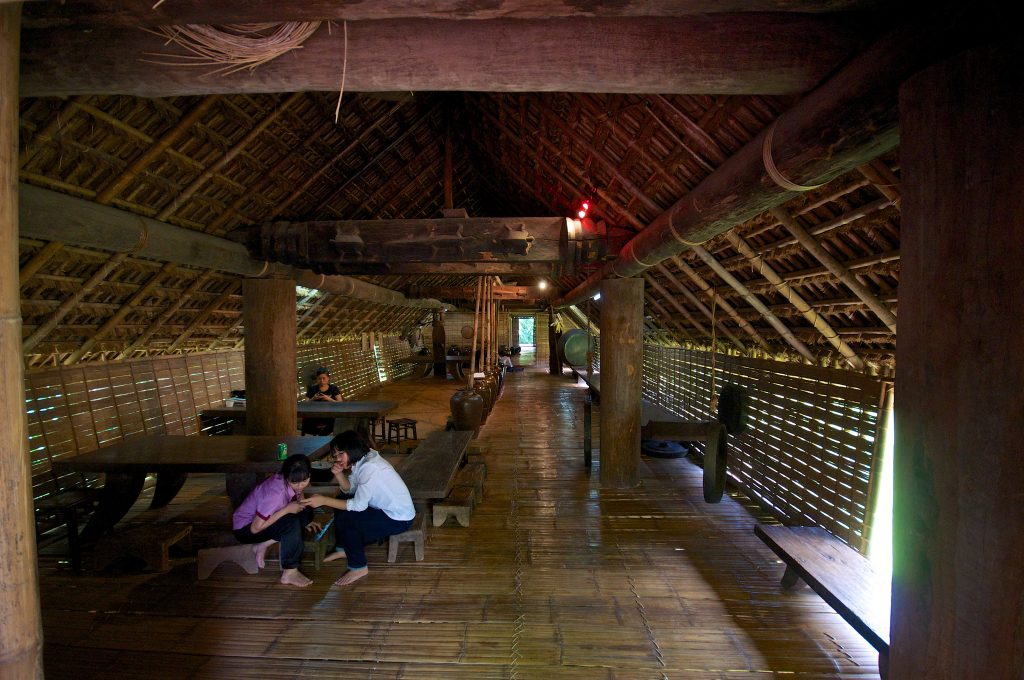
x: 484, y: 391
x: 490, y: 382
x: 467, y: 410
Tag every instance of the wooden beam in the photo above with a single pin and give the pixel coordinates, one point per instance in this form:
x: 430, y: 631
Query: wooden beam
x: 114, y: 187
x: 120, y: 314
x: 21, y: 635
x: 754, y: 302
x: 210, y: 308
x: 743, y: 53
x: 688, y: 294
x: 846, y: 122
x: 153, y: 327
x: 720, y: 302
x: 50, y: 216
x: 147, y: 13
x: 834, y: 266
x: 815, y: 319
x: 38, y: 261
x: 318, y: 245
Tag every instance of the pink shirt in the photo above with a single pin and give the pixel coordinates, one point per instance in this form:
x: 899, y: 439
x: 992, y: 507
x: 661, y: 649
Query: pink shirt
x: 263, y: 501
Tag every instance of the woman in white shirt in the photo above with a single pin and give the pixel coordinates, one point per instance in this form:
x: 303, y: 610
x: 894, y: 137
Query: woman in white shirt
x: 374, y: 503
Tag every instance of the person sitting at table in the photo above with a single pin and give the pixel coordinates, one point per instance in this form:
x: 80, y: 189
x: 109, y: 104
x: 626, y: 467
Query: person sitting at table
x: 321, y: 390
x: 272, y: 513
x: 374, y: 503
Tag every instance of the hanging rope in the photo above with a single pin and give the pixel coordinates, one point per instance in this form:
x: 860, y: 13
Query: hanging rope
x: 713, y: 404
x: 233, y: 47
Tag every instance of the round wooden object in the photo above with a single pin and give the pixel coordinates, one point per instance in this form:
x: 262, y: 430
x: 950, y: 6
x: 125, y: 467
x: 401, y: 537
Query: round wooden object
x: 467, y: 332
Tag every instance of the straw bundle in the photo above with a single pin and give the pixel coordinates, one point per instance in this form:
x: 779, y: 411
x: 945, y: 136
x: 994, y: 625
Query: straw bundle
x: 234, y: 47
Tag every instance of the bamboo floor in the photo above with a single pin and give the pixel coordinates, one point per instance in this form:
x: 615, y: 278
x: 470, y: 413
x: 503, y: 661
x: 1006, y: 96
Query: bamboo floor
x: 554, y: 578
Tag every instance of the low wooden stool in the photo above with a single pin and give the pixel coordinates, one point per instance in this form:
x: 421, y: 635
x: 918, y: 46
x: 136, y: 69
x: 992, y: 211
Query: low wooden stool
x: 414, y: 534
x: 150, y: 543
x: 458, y: 504
x: 239, y: 553
x: 317, y: 543
x: 400, y: 427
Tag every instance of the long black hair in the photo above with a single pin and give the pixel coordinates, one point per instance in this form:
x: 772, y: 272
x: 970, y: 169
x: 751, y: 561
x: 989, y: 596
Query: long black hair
x: 295, y: 468
x: 352, y: 443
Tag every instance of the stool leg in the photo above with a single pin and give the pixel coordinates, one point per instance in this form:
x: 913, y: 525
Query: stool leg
x: 74, y: 545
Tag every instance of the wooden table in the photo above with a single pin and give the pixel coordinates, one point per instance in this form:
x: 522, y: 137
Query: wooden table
x: 244, y: 459
x: 429, y: 472
x: 347, y: 415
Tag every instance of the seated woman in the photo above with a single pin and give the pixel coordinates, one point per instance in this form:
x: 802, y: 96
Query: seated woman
x: 321, y: 390
x: 374, y: 503
x: 272, y: 512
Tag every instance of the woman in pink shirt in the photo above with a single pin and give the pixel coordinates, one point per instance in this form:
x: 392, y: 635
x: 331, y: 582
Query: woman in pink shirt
x: 272, y: 512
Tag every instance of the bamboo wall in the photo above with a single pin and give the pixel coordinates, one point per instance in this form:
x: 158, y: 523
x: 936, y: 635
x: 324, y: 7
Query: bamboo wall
x: 76, y: 409
x: 808, y: 451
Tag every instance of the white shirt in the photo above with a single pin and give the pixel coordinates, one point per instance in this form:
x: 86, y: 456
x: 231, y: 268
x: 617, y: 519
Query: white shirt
x: 377, y: 485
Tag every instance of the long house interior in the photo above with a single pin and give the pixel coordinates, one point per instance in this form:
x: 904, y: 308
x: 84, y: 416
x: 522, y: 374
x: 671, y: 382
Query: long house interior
x: 612, y: 286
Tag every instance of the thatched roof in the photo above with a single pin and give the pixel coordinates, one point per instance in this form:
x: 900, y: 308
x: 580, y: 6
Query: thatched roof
x: 663, y: 96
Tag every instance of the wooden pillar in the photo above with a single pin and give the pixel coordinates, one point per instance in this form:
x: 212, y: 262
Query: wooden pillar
x: 554, y: 363
x: 958, y: 562
x: 268, y: 308
x: 622, y: 358
x: 21, y: 635
x: 440, y: 367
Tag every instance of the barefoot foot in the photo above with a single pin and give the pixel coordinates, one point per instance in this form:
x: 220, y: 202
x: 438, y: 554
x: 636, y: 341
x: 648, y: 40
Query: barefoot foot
x: 336, y: 555
x: 294, y: 577
x: 260, y: 551
x: 351, y: 576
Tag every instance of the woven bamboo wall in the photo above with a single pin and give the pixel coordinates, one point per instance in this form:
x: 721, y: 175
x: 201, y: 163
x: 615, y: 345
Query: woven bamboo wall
x: 808, y: 450
x: 76, y: 409
x: 393, y: 348
x: 353, y: 366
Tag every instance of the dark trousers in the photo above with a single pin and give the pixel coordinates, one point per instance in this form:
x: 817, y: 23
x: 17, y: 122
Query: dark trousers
x: 353, y: 530
x: 287, y: 530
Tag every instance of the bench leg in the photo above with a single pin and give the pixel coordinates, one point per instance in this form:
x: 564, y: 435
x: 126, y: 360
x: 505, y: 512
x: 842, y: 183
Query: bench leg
x: 587, y: 427
x: 791, y: 579
x: 74, y: 544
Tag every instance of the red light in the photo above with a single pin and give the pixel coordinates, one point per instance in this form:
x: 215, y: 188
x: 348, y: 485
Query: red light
x: 582, y: 214
x: 586, y: 205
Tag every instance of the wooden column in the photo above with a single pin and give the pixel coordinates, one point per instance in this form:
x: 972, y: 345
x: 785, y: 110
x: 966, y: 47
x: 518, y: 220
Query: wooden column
x: 622, y: 358
x: 437, y: 333
x: 21, y: 635
x: 268, y: 308
x: 554, y: 363
x: 958, y: 581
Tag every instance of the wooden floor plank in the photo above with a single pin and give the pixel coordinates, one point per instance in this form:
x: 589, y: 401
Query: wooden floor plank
x: 555, y: 577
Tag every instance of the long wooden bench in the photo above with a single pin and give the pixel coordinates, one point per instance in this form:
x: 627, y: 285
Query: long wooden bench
x: 843, y: 578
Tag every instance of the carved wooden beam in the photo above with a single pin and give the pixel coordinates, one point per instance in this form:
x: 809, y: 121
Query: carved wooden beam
x: 741, y: 53
x: 324, y: 245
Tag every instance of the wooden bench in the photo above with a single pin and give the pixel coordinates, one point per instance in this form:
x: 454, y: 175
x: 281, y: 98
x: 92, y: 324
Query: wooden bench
x: 416, y: 534
x: 151, y: 543
x: 458, y: 504
x: 843, y: 578
x: 241, y: 554
x: 429, y: 471
x: 472, y: 476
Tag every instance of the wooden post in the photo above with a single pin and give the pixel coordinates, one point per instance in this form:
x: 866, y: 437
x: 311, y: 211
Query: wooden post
x: 554, y: 363
x: 268, y: 307
x: 440, y: 366
x: 958, y: 563
x: 21, y: 635
x: 622, y: 358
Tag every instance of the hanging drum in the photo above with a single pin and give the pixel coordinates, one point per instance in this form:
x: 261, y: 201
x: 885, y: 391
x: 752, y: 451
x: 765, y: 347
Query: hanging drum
x: 572, y: 347
x: 467, y: 332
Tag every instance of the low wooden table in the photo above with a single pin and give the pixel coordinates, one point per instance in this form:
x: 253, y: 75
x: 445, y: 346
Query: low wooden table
x: 244, y: 459
x: 430, y: 470
x: 347, y: 415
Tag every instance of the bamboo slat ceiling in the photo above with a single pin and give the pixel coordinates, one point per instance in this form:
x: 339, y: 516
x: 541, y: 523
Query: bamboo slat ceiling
x: 213, y: 162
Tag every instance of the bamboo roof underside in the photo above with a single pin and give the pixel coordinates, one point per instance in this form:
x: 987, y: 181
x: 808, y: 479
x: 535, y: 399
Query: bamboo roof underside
x: 210, y: 163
